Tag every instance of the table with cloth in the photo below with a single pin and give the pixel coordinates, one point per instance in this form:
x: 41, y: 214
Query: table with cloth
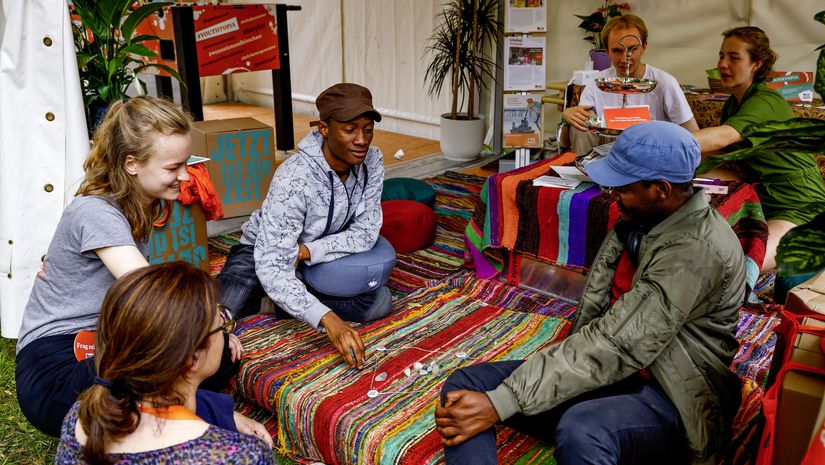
x: 566, y: 227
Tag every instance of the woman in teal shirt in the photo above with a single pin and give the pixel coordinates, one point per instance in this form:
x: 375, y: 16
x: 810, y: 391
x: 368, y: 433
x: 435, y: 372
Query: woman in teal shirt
x: 788, y: 181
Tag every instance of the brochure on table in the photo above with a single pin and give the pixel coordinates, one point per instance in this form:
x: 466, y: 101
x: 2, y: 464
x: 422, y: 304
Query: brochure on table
x: 524, y: 65
x: 522, y: 120
x: 795, y: 86
x: 526, y: 16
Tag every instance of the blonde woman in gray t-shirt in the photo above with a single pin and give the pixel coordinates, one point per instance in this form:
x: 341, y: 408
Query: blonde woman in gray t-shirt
x: 138, y: 160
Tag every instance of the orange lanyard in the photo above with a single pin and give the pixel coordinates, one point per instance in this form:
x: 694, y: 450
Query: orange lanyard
x: 172, y: 412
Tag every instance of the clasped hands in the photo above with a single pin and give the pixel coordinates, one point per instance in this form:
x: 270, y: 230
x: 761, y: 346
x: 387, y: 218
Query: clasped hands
x: 464, y: 415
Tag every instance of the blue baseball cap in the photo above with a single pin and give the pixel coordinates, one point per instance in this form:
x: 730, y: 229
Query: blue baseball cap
x: 648, y: 152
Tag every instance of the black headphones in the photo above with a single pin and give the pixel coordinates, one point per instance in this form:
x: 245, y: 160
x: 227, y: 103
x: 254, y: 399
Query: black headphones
x: 631, y: 235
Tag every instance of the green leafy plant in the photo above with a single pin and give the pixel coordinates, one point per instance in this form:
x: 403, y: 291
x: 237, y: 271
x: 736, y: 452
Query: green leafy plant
x: 802, y: 249
x: 819, y: 83
x: 594, y: 23
x: 109, y: 54
x: 802, y: 135
x: 460, y: 49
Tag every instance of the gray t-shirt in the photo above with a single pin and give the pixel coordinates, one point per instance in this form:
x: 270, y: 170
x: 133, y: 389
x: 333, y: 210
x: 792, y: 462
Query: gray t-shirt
x: 68, y: 296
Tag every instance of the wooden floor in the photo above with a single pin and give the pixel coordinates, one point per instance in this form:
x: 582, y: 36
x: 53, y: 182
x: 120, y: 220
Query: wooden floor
x: 389, y: 142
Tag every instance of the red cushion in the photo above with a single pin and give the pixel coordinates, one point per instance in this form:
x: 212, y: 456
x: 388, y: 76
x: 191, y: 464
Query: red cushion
x: 408, y: 225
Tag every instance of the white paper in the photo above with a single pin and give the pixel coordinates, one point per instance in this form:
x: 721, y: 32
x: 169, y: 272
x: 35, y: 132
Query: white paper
x: 524, y: 68
x: 553, y: 181
x: 193, y: 159
x: 571, y: 172
x: 526, y: 16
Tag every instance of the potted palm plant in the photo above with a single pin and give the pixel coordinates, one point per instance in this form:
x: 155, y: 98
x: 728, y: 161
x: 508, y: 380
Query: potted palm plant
x: 460, y: 51
x: 109, y: 54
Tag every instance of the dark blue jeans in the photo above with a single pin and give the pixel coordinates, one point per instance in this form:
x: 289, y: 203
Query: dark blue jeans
x: 242, y: 291
x: 630, y: 422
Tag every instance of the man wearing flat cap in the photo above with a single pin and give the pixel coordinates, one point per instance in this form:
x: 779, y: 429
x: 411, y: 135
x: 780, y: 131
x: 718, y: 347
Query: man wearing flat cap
x: 643, y: 377
x: 313, y: 246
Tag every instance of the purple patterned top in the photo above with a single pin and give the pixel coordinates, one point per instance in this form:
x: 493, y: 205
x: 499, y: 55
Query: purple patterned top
x: 216, y: 445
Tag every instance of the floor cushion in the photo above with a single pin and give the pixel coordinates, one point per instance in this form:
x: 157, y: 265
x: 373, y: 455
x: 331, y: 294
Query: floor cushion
x: 408, y: 189
x: 408, y: 225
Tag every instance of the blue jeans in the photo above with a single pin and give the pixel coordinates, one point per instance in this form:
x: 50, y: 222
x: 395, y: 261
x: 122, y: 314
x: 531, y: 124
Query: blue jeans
x: 242, y: 291
x: 630, y: 422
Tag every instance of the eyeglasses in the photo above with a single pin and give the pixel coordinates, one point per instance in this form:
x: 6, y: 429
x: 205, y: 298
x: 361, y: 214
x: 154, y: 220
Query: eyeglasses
x: 619, y: 189
x: 227, y: 321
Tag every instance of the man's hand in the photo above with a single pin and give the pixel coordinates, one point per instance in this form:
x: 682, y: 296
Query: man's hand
x: 345, y: 339
x: 235, y: 347
x: 247, y: 425
x: 577, y: 116
x: 303, y: 254
x: 464, y: 415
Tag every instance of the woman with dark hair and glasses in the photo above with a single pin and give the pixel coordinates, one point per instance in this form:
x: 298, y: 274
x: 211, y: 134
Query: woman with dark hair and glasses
x: 160, y: 334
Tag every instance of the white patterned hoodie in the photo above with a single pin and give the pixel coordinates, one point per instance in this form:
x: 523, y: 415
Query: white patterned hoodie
x: 297, y: 211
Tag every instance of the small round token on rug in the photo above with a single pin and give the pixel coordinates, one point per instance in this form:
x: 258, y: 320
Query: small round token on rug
x: 381, y: 376
x: 461, y: 354
x: 372, y: 394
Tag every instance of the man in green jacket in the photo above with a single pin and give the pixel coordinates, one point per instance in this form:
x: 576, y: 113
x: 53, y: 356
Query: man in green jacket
x: 643, y: 376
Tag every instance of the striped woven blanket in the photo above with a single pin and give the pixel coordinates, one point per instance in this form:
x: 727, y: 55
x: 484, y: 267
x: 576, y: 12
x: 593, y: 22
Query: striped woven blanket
x: 323, y: 410
x: 567, y: 227
x: 294, y: 382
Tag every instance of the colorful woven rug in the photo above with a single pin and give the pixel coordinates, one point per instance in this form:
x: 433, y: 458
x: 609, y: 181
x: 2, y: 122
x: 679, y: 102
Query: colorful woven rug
x: 294, y: 382
x: 567, y: 227
x: 219, y: 249
x: 322, y: 408
x: 757, y: 341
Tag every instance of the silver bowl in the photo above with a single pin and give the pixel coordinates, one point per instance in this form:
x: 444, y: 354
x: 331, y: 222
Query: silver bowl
x: 621, y: 85
x: 596, y: 124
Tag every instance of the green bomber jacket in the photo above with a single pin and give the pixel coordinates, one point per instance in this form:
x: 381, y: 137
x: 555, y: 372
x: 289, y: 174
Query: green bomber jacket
x: 678, y: 320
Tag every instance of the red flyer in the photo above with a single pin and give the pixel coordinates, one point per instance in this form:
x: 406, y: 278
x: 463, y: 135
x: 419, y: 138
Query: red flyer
x: 235, y: 38
x: 623, y: 118
x: 229, y: 39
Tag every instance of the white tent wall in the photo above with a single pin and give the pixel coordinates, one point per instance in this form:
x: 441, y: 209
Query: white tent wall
x: 381, y: 47
x: 380, y: 44
x: 684, y: 35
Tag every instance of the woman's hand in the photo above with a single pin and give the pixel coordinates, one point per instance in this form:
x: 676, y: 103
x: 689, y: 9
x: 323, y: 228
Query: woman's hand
x: 235, y: 347
x: 247, y: 425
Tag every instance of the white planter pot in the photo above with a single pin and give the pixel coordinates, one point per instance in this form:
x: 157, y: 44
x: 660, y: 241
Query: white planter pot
x: 461, y: 139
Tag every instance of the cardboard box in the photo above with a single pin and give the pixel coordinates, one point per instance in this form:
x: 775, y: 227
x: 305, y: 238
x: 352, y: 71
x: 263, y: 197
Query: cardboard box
x: 801, y: 407
x: 241, y: 162
x: 183, y: 237
x: 808, y: 297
